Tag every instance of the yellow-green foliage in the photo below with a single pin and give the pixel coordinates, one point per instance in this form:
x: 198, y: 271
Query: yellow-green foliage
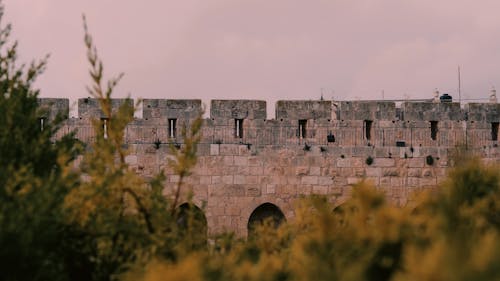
x: 451, y: 234
x: 104, y: 222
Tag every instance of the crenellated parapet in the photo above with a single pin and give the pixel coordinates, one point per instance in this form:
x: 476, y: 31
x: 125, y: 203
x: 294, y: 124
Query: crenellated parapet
x: 246, y: 161
x: 159, y: 110
x: 320, y: 122
x: 50, y: 108
x: 89, y: 108
x: 365, y: 110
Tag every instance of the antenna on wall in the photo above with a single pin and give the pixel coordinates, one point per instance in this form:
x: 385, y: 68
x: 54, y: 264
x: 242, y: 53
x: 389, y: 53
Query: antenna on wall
x: 459, y: 87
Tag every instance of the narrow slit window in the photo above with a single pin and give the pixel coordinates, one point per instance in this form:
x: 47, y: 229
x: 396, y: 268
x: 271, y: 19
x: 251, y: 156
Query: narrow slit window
x: 494, y: 131
x: 43, y: 121
x: 368, y: 129
x: 105, y: 124
x: 238, y: 128
x: 302, y: 128
x: 434, y: 130
x: 172, y: 127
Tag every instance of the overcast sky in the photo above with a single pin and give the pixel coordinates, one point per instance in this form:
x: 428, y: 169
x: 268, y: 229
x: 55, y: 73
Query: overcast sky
x: 266, y: 49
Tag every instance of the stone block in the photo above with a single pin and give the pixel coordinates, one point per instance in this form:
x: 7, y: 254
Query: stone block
x: 240, y: 160
x: 252, y: 191
x: 239, y: 179
x: 271, y: 189
x: 344, y: 162
x: 256, y: 170
x: 320, y: 189
x: 412, y: 181
x: 315, y: 171
x: 228, y: 160
x: 252, y: 179
x: 302, y: 170
x: 234, y: 190
x: 373, y: 172
x: 353, y: 180
x: 131, y: 159
x: 214, y: 149
x: 309, y: 180
x: 414, y: 172
x: 216, y: 179
x: 227, y: 179
x: 416, y: 162
x: 228, y: 149
x: 390, y: 172
x: 325, y: 180
x: 384, y: 162
x: 428, y: 182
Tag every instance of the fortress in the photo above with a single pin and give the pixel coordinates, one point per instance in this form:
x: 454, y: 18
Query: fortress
x: 250, y: 167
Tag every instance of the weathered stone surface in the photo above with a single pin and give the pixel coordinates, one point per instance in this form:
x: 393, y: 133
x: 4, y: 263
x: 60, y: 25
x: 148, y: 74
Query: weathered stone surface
x: 271, y: 163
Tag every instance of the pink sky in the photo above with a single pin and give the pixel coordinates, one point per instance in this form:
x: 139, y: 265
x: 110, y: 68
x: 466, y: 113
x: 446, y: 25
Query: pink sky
x: 266, y: 49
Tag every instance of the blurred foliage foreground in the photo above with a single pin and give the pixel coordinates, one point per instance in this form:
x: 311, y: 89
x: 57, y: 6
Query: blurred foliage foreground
x: 70, y: 211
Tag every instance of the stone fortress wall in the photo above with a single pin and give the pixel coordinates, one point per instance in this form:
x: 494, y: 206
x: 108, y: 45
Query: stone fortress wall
x: 249, y: 167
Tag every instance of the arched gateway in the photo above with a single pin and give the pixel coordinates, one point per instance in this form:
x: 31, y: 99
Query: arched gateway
x: 264, y: 213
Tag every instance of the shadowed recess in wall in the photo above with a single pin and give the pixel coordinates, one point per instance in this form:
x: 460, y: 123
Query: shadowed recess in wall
x: 265, y: 213
x: 192, y: 220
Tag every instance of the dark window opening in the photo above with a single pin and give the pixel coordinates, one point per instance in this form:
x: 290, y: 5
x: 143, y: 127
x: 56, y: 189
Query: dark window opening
x: 238, y: 128
x: 330, y: 137
x: 192, y: 224
x: 368, y: 129
x: 266, y: 213
x: 43, y: 121
x: 494, y: 131
x: 105, y: 124
x: 302, y: 128
x: 434, y: 130
x: 172, y: 128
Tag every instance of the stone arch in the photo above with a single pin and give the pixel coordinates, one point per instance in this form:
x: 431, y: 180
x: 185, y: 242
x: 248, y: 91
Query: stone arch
x: 339, y: 209
x: 191, y: 218
x: 264, y: 212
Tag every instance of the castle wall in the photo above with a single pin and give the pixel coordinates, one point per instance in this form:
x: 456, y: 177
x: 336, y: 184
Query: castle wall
x: 312, y: 147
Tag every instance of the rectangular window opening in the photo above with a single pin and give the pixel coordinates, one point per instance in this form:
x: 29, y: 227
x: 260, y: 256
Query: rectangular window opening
x: 105, y: 124
x: 42, y: 122
x: 238, y: 128
x: 302, y: 128
x: 368, y: 129
x: 494, y: 131
x: 172, y: 128
x: 434, y: 130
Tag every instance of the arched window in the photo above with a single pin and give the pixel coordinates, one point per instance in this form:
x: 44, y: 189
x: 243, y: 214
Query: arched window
x: 266, y: 212
x: 192, y: 223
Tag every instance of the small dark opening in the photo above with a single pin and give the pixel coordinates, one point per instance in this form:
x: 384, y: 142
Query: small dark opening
x: 330, y: 137
x: 43, y: 121
x: 105, y: 125
x: 172, y: 127
x: 400, y: 143
x: 368, y: 129
x: 494, y: 131
x: 434, y: 130
x: 238, y: 128
x: 302, y: 128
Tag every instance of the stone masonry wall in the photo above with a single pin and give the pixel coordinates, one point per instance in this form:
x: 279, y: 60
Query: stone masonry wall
x: 274, y: 161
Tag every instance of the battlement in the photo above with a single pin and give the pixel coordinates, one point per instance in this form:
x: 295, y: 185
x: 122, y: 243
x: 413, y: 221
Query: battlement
x: 89, y: 108
x: 363, y: 110
x: 156, y: 109
x: 289, y: 110
x: 51, y: 108
x: 311, y: 147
